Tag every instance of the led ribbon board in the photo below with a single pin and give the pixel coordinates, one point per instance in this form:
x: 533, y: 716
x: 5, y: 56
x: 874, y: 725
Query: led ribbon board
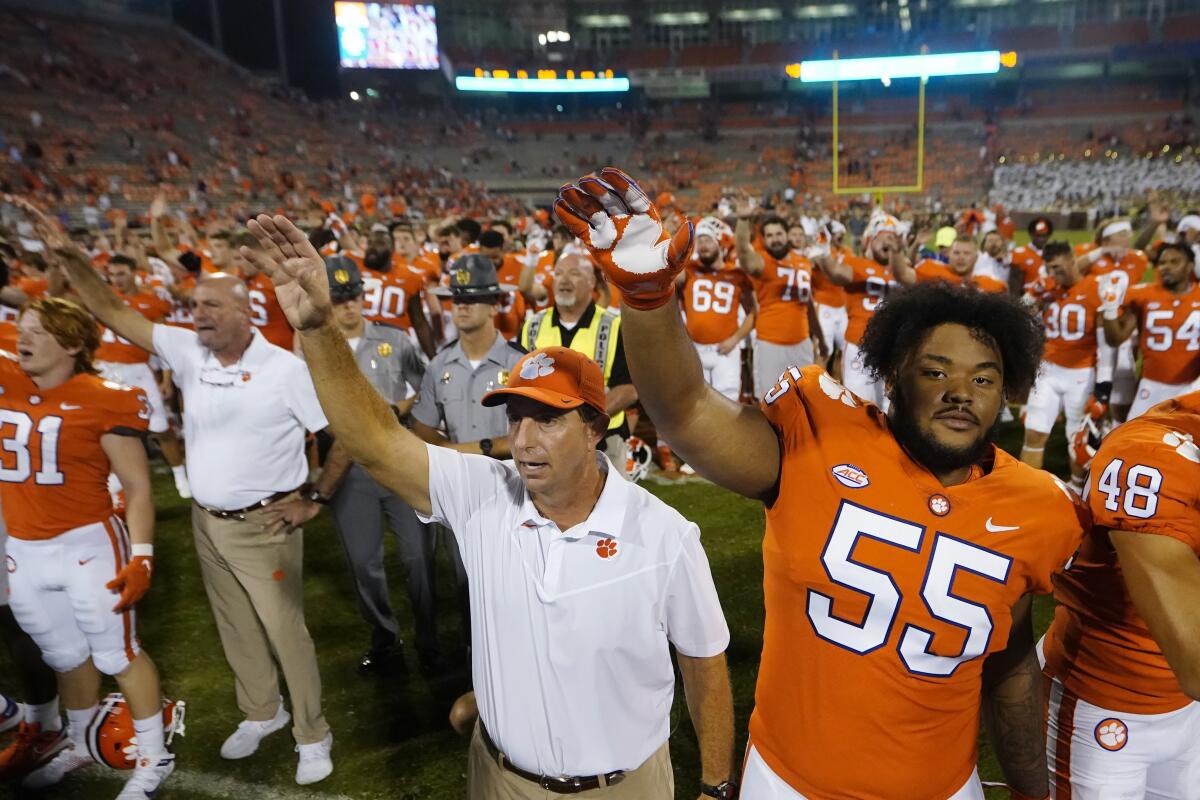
x: 467, y: 83
x: 983, y: 62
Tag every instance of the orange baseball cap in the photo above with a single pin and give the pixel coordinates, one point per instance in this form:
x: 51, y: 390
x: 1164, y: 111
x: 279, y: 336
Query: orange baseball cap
x: 555, y: 376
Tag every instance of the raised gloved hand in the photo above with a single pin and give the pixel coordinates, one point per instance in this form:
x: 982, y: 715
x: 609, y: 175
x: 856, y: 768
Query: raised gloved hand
x: 624, y: 233
x: 1112, y: 294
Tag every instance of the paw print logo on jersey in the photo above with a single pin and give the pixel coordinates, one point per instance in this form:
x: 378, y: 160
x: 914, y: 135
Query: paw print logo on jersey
x: 606, y: 548
x: 1184, y: 444
x: 835, y: 391
x: 939, y: 504
x: 1111, y: 734
x: 539, y: 366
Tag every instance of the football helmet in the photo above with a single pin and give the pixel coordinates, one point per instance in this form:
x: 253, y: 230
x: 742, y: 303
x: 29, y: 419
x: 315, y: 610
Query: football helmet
x: 637, y: 461
x: 111, y: 739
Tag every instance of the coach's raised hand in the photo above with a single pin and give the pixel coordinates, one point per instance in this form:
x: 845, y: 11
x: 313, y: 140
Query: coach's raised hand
x: 624, y: 232
x: 294, y: 267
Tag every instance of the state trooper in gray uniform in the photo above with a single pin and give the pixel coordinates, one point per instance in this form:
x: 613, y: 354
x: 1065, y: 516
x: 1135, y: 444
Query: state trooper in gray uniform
x: 449, y: 411
x: 395, y: 367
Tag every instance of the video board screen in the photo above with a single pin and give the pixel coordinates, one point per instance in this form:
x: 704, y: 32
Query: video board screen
x: 399, y: 35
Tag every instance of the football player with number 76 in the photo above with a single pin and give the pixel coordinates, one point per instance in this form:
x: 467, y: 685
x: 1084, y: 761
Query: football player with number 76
x: 902, y: 550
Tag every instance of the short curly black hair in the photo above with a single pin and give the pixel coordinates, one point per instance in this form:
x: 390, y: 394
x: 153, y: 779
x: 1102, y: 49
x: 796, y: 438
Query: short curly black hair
x: 901, y: 322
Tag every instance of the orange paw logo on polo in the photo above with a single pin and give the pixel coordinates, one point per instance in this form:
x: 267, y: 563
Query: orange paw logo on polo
x: 606, y: 548
x: 1111, y: 734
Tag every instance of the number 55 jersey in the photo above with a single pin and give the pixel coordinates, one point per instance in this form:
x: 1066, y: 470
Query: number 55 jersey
x: 53, y: 471
x: 885, y: 591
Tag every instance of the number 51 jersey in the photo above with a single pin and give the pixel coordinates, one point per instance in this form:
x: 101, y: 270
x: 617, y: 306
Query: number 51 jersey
x: 884, y: 593
x: 53, y: 471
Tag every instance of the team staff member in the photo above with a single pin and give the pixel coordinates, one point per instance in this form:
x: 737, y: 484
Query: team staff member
x: 247, y: 405
x: 959, y: 269
x: 1123, y: 652
x: 75, y: 572
x: 900, y: 550
x: 1166, y: 314
x: 567, y: 702
x: 390, y: 360
x: 578, y: 322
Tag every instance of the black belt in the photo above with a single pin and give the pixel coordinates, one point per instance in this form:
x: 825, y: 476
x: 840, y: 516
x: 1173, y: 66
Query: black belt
x: 240, y: 513
x: 550, y: 784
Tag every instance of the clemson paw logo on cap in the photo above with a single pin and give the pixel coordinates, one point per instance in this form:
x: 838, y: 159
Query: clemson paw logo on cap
x: 1111, y: 734
x: 606, y: 548
x: 539, y: 366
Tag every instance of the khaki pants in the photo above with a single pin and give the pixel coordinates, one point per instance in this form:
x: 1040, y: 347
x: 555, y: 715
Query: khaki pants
x: 254, y: 582
x: 487, y: 780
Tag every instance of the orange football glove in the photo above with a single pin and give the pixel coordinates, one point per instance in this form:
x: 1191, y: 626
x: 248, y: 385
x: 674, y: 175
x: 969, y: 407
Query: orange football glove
x: 1085, y: 440
x: 624, y: 233
x: 132, y: 582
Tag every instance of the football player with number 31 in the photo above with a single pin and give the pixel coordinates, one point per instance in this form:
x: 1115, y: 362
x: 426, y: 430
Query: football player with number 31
x: 1123, y: 654
x: 74, y: 573
x: 901, y: 550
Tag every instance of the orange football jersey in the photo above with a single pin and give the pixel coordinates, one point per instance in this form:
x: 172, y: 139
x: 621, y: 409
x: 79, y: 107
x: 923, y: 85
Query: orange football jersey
x: 511, y: 314
x: 8, y: 336
x: 825, y: 291
x: 115, y: 349
x: 1028, y: 260
x: 884, y: 593
x: 181, y: 307
x: 711, y: 301
x: 1145, y: 479
x: 545, y: 276
x: 1134, y: 263
x: 784, y: 290
x: 53, y: 471
x: 386, y: 294
x: 1070, y: 317
x: 266, y: 314
x: 929, y: 271
x: 869, y: 285
x: 1168, y: 331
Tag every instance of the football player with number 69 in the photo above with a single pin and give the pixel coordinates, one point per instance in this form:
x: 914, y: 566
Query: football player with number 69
x: 902, y: 550
x: 75, y: 573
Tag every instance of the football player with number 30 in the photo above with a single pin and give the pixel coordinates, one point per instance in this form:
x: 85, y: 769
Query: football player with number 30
x: 901, y: 549
x: 74, y: 573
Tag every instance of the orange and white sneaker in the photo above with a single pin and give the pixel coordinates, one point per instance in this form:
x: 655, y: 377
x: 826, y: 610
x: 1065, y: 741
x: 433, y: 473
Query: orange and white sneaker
x: 32, y: 748
x: 68, y: 760
x: 148, y: 776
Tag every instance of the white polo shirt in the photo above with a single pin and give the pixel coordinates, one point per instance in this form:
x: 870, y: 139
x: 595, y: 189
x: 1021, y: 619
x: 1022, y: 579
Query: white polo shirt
x: 570, y: 628
x: 244, y: 424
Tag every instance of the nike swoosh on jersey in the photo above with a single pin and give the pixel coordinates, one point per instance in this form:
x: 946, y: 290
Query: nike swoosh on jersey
x: 993, y: 528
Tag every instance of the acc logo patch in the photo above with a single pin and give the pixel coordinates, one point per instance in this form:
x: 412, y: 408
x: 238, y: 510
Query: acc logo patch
x: 384, y: 349
x: 1112, y: 734
x: 850, y: 475
x: 939, y: 504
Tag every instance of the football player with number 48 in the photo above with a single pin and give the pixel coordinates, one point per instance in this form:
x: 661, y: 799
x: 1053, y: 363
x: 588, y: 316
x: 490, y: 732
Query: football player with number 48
x: 901, y: 550
x: 74, y: 575
x: 1122, y: 657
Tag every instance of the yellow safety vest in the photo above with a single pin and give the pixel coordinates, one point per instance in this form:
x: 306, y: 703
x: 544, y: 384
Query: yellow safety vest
x: 596, y: 341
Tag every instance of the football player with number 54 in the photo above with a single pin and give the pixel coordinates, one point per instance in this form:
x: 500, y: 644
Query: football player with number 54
x: 901, y: 550
x: 74, y: 574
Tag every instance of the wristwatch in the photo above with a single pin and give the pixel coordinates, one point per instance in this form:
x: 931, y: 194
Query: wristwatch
x: 725, y: 790
x: 313, y: 496
x: 485, y: 446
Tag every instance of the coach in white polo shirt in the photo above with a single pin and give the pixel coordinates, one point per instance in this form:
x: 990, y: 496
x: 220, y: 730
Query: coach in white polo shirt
x: 247, y: 407
x: 579, y: 580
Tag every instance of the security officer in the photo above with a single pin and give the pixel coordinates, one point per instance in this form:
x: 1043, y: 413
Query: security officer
x: 448, y: 411
x: 394, y: 365
x: 577, y: 322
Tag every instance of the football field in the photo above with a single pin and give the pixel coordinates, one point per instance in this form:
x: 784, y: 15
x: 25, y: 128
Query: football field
x: 391, y: 736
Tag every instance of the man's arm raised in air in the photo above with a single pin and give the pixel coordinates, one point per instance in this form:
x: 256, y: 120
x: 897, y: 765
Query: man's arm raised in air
x: 93, y: 291
x: 359, y: 417
x: 730, y: 444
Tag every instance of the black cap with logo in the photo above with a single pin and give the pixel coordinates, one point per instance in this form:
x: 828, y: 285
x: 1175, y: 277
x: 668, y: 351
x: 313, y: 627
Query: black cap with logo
x: 473, y: 275
x: 345, y: 279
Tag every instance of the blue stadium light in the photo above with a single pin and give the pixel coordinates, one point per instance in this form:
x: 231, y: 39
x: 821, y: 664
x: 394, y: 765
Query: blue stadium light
x: 983, y: 62
x: 467, y: 83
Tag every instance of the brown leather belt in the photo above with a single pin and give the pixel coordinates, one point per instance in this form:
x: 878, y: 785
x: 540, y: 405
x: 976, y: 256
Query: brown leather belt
x: 240, y: 513
x: 550, y: 784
